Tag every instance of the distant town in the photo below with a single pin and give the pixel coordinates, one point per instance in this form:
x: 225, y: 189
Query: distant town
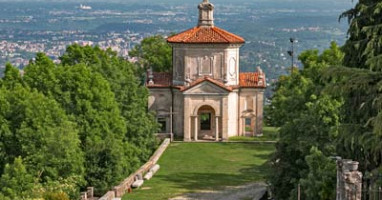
x: 31, y: 27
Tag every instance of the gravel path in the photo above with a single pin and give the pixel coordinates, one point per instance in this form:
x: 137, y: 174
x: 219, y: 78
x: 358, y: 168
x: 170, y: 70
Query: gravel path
x: 252, y: 191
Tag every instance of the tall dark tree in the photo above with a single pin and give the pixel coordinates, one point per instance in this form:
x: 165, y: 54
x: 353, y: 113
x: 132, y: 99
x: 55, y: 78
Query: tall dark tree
x: 359, y: 84
x: 363, y: 49
x: 359, y: 119
x: 309, y: 118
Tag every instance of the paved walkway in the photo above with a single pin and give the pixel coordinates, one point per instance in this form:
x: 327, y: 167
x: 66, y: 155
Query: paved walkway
x: 209, y: 141
x: 252, y: 191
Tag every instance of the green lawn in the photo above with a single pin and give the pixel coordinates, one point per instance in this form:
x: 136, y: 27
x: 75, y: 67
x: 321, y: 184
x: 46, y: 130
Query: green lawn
x: 269, y: 134
x: 192, y: 167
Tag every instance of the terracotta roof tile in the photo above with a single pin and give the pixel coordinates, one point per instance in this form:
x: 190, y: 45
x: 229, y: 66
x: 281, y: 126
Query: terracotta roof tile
x: 247, y: 80
x: 205, y: 35
x: 252, y: 80
x: 160, y: 79
x: 200, y: 80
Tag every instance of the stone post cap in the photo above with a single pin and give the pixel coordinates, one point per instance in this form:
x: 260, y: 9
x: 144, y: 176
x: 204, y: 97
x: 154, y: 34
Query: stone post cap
x: 350, y: 165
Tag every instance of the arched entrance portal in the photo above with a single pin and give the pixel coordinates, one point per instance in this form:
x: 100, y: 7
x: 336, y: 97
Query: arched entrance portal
x: 206, y: 124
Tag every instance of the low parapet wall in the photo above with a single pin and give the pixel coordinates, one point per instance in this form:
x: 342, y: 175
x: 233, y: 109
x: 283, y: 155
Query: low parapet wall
x: 108, y: 196
x: 125, y: 185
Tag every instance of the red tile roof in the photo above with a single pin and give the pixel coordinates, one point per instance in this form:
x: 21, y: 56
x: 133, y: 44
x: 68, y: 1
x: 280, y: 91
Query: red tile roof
x: 160, y: 79
x: 247, y: 80
x: 206, y: 35
x: 200, y: 80
x: 252, y: 80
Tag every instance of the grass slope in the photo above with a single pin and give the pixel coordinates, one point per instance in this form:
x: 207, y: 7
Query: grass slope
x: 192, y: 167
x: 269, y: 134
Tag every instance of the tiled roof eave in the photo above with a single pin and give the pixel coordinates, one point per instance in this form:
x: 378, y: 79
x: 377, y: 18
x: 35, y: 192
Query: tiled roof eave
x: 260, y: 87
x: 185, y: 42
x: 206, y: 35
x: 197, y: 82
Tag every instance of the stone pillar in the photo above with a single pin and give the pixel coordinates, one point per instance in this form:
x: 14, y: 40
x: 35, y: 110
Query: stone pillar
x: 216, y: 128
x: 196, y: 128
x: 188, y: 130
x: 90, y: 192
x: 349, y: 186
x: 84, y: 196
x: 243, y: 127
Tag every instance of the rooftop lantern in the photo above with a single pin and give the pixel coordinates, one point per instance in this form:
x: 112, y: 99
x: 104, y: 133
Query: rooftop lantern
x: 206, y: 14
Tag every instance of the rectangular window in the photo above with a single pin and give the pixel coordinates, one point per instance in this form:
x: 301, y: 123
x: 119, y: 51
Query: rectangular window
x: 162, y: 123
x: 205, y: 121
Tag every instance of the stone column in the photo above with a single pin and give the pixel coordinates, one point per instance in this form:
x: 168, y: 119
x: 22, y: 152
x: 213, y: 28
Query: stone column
x: 243, y: 126
x: 196, y: 128
x: 187, y: 120
x: 188, y: 130
x: 90, y: 192
x: 216, y: 128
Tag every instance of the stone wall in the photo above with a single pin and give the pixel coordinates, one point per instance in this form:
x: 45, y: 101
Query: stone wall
x: 160, y: 102
x: 251, y: 107
x: 125, y: 185
x: 219, y: 61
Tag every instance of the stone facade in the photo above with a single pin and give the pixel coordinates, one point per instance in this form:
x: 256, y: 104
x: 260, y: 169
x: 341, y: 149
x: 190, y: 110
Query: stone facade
x: 206, y: 97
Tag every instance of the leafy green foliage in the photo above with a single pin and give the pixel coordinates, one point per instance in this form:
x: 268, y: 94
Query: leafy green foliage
x: 11, y: 76
x: 155, y: 53
x: 36, y: 128
x: 321, y: 178
x: 16, y: 182
x: 363, y: 49
x: 359, y: 83
x: 56, y: 196
x: 82, y: 122
x: 357, y: 131
x: 129, y: 94
x: 87, y: 97
x: 307, y: 117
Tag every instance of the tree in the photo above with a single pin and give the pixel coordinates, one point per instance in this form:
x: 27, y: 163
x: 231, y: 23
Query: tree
x: 16, y: 182
x: 155, y: 53
x: 86, y: 96
x: 308, y: 117
x: 37, y: 129
x: 359, y: 84
x: 131, y: 96
x: 359, y: 119
x: 11, y: 76
x: 363, y: 49
x: 321, y: 179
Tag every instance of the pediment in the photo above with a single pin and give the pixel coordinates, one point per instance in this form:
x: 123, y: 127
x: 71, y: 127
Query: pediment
x: 206, y: 88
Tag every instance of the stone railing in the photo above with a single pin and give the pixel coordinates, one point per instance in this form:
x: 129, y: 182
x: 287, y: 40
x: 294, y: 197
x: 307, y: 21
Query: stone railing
x: 108, y: 196
x: 88, y: 195
x: 125, y: 185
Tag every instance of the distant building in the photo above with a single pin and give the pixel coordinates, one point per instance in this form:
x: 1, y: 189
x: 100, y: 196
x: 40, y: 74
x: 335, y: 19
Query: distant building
x: 211, y: 99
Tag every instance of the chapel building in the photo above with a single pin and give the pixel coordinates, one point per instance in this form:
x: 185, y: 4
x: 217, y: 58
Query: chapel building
x: 206, y: 94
